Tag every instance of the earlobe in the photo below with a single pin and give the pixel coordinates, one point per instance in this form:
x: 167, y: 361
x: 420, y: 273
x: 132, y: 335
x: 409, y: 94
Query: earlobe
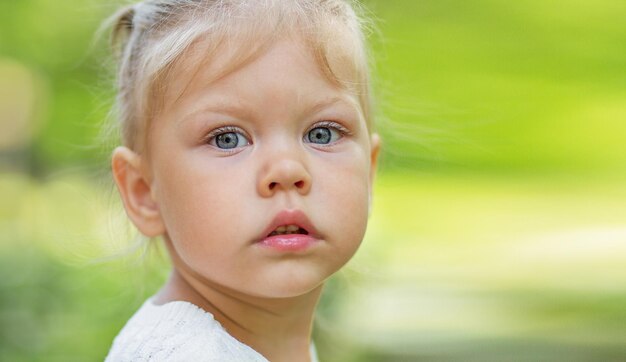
x: 136, y: 193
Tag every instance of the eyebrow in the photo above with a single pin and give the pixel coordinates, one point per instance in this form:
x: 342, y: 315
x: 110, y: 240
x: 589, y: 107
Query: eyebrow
x: 316, y: 107
x: 233, y: 108
x: 217, y: 107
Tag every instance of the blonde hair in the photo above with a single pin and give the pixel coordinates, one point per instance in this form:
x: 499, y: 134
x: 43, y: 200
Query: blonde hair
x: 150, y: 38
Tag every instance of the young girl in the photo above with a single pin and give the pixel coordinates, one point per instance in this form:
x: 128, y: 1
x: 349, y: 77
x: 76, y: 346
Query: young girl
x: 248, y: 147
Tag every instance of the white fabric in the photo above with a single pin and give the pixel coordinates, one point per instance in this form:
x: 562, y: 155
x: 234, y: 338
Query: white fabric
x: 178, y: 331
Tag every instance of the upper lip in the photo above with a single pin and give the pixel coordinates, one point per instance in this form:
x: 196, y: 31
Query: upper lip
x: 290, y: 217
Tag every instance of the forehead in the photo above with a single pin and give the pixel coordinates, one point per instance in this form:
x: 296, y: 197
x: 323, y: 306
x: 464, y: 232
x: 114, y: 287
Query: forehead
x: 208, y: 60
x: 281, y: 76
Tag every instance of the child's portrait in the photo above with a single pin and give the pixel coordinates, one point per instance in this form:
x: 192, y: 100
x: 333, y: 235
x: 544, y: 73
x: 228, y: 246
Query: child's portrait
x: 312, y: 180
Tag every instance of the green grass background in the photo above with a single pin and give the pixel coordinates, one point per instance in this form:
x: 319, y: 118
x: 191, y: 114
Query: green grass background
x: 498, y: 230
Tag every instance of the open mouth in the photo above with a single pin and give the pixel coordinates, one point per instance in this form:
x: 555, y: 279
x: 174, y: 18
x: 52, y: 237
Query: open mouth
x: 288, y: 229
x: 289, y: 232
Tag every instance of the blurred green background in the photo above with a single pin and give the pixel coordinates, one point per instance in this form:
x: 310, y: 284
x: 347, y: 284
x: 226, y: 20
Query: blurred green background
x: 499, y: 223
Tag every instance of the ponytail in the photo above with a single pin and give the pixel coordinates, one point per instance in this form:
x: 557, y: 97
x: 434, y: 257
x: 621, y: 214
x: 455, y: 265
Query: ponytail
x: 122, y: 28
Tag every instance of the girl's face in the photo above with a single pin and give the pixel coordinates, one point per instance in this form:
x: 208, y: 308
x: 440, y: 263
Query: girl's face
x: 271, y: 144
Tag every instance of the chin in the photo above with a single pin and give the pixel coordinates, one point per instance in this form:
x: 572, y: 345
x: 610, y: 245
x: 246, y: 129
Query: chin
x: 288, y: 293
x: 291, y: 285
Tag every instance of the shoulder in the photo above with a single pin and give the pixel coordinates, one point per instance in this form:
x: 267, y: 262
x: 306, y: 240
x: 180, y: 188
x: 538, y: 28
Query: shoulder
x: 177, y: 331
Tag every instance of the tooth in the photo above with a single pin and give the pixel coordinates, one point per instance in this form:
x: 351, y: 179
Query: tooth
x: 281, y: 229
x: 292, y: 228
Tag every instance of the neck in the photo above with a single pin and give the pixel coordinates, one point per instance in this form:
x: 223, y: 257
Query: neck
x: 278, y: 328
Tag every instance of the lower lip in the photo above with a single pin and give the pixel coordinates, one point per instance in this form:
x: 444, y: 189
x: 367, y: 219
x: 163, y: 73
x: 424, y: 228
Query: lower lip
x: 292, y: 242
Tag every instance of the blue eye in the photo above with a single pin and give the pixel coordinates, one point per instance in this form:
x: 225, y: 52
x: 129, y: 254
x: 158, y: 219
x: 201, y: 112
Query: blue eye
x: 323, y: 135
x: 228, y: 139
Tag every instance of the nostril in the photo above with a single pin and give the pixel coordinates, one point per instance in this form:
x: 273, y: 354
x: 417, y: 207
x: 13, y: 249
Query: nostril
x: 272, y: 185
x: 299, y: 184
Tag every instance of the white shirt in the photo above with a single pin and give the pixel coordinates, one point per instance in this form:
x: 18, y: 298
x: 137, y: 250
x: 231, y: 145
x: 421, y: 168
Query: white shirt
x: 178, y: 331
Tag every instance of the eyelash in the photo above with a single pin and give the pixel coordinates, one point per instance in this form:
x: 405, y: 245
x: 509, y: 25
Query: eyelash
x: 331, y: 124
x: 227, y: 129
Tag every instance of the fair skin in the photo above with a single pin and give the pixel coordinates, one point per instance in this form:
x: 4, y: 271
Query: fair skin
x: 294, y: 141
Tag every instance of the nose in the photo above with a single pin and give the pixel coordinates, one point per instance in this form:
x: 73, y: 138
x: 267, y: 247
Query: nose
x: 284, y: 175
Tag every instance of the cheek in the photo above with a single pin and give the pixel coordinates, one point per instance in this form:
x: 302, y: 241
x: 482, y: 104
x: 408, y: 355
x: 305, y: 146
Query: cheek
x: 201, y: 205
x: 344, y: 191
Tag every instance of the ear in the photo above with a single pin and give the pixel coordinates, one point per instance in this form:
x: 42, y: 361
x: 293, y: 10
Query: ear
x: 135, y: 190
x: 375, y: 150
